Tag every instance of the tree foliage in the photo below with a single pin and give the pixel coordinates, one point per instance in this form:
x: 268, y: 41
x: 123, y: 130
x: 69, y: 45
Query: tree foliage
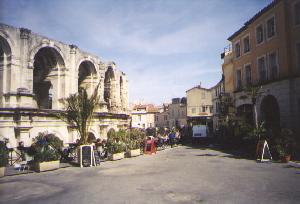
x: 79, y: 111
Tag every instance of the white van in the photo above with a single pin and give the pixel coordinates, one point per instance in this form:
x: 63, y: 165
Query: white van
x: 200, y: 131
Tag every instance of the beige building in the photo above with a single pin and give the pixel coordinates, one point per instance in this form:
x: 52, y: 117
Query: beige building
x: 37, y: 73
x: 266, y: 53
x: 199, y: 105
x: 217, y: 92
x: 143, y: 116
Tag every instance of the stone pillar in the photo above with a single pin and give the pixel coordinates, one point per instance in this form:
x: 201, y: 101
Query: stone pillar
x: 24, y: 52
x: 72, y: 86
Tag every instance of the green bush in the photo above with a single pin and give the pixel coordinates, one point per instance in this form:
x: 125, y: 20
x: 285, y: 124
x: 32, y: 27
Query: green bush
x: 3, y: 154
x: 115, y: 148
x: 46, y: 147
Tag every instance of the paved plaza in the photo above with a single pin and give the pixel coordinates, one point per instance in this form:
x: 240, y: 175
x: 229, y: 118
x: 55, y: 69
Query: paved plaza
x: 178, y: 175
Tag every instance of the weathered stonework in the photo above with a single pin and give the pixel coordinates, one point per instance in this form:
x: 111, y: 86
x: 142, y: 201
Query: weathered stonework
x: 37, y: 73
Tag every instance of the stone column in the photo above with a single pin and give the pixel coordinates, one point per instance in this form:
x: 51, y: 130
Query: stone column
x: 72, y: 85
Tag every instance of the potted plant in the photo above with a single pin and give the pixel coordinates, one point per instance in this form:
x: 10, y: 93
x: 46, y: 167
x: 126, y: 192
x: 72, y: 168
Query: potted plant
x: 116, y: 150
x: 134, y: 143
x: 45, y: 152
x: 284, y: 145
x: 3, y: 158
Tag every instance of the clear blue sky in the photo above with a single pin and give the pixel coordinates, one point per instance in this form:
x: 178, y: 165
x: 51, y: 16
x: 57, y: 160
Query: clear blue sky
x: 164, y: 46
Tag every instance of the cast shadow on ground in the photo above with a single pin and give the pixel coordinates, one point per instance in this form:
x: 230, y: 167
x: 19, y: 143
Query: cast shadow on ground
x: 234, y: 154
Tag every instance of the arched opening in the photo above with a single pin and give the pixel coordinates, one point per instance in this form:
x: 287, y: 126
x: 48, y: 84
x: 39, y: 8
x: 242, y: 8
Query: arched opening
x: 91, y: 137
x: 109, y: 87
x: 86, y: 76
x: 121, y: 93
x: 5, y: 59
x: 47, y: 61
x: 246, y: 112
x: 270, y: 114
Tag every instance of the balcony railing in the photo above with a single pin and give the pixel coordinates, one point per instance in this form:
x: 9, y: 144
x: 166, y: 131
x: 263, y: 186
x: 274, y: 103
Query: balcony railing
x: 227, y: 51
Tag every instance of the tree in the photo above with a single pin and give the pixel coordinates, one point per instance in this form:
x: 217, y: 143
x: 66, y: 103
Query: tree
x: 79, y: 111
x: 254, y: 93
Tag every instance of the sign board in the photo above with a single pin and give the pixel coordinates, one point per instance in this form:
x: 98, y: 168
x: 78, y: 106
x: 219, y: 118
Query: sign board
x: 86, y: 155
x: 199, y: 131
x: 263, y: 151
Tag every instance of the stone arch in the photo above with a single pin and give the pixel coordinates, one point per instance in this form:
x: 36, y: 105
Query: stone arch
x: 109, y: 88
x: 270, y: 114
x: 87, y: 76
x: 5, y: 63
x: 46, y: 79
x: 36, y: 49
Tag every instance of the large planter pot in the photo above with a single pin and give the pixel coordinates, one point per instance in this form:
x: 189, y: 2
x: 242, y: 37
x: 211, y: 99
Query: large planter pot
x: 117, y: 156
x: 286, y: 158
x: 134, y: 153
x: 47, y: 166
x: 2, y: 171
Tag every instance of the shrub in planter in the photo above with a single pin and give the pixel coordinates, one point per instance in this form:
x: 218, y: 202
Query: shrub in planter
x: 46, y: 148
x: 285, y: 144
x: 116, y: 150
x: 3, y: 157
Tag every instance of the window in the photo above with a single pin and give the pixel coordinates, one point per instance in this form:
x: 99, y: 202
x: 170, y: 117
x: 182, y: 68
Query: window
x: 297, y: 14
x: 210, y: 109
x: 246, y: 44
x: 298, y: 55
x: 273, y: 65
x: 203, y: 108
x: 165, y: 117
x: 259, y: 34
x: 237, y: 50
x: 193, y: 110
x: 261, y: 64
x: 271, y: 27
x: 238, y: 79
x: 140, y: 117
x: 248, y: 74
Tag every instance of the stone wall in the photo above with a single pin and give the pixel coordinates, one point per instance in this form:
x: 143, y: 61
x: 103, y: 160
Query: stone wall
x: 37, y: 73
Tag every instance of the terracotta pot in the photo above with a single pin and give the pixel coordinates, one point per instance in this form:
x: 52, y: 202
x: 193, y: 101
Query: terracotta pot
x: 286, y: 158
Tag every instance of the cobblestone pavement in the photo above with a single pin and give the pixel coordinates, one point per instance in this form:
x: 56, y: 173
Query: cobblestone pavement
x: 178, y: 175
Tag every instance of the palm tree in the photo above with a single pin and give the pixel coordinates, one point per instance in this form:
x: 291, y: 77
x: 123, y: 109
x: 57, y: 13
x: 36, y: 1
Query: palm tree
x: 79, y: 111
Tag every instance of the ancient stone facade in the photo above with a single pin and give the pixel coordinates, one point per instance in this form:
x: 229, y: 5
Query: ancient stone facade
x: 37, y: 73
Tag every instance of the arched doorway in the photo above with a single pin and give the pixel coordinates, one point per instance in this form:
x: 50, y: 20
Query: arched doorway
x: 109, y: 87
x: 5, y: 59
x: 47, y: 62
x: 270, y: 114
x: 87, y: 76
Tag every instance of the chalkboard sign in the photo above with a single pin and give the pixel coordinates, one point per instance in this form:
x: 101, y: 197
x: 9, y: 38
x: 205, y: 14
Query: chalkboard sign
x: 86, y: 155
x: 263, y: 151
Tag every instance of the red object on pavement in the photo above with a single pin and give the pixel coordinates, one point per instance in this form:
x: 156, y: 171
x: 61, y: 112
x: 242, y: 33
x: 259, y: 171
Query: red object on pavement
x: 150, y: 147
